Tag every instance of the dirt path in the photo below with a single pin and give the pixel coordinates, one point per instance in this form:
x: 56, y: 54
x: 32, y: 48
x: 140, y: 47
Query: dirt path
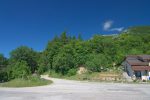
x: 76, y: 90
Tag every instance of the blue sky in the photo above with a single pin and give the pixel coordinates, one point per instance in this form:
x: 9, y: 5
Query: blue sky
x: 34, y: 22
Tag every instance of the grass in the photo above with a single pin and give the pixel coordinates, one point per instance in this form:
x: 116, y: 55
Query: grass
x: 82, y: 77
x: 93, y: 76
x: 102, y: 76
x: 32, y: 81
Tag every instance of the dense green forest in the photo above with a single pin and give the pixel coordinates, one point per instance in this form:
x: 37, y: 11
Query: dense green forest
x: 65, y: 54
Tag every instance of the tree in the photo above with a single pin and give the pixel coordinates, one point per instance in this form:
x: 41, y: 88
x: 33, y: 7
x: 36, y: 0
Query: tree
x: 3, y: 68
x: 42, y: 64
x: 97, y: 62
x: 3, y: 76
x: 64, y: 38
x: 80, y: 53
x: 80, y: 37
x: 51, y: 50
x: 24, y: 53
x: 64, y: 60
x: 3, y: 62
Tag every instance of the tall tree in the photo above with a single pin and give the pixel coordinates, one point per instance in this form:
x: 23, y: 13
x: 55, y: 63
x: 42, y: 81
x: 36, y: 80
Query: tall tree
x: 64, y: 60
x: 64, y: 38
x: 3, y: 62
x: 51, y: 50
x: 24, y: 53
x: 3, y: 68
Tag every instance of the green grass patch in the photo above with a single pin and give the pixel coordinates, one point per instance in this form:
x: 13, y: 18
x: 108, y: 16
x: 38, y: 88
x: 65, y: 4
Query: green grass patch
x: 81, y: 77
x: 31, y: 82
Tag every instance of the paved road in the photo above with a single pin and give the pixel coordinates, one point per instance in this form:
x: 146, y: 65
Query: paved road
x: 75, y: 90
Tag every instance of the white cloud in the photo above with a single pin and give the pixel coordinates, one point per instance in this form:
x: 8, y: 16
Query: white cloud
x: 119, y: 29
x: 107, y: 26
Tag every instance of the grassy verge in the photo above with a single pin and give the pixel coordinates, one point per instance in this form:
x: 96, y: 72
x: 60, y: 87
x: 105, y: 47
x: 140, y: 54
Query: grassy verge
x: 32, y: 81
x: 114, y: 77
x: 101, y: 77
x: 93, y: 76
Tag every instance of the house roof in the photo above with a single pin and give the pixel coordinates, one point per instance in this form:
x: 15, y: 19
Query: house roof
x: 144, y: 57
x: 138, y: 60
x: 141, y: 68
x: 135, y: 62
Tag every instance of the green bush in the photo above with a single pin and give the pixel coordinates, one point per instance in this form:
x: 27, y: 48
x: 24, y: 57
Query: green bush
x: 41, y: 69
x: 72, y: 72
x: 97, y: 62
x: 20, y: 70
x: 54, y: 74
x: 3, y: 76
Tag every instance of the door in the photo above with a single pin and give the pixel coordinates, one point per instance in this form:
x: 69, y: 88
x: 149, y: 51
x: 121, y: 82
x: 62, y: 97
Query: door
x: 138, y: 74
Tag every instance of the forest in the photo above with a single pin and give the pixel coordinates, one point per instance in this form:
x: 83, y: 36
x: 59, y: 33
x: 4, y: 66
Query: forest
x: 64, y: 54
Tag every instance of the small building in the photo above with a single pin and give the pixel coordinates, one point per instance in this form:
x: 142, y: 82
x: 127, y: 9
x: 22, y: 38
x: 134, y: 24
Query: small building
x: 137, y: 66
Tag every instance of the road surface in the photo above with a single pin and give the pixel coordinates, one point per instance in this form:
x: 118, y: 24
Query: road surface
x: 76, y: 90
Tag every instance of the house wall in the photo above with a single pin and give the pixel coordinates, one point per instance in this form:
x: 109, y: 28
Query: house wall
x: 124, y: 66
x: 128, y: 69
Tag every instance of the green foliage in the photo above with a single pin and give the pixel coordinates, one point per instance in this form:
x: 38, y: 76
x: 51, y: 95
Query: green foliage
x: 63, y: 61
x: 32, y: 81
x: 55, y: 74
x: 20, y: 70
x: 139, y: 30
x: 3, y: 62
x: 72, y: 72
x: 64, y: 38
x: 80, y: 53
x: 3, y: 67
x: 3, y: 76
x: 97, y: 62
x: 51, y: 50
x: 24, y: 53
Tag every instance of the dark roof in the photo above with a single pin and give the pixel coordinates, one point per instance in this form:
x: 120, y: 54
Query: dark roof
x: 138, y: 60
x: 141, y: 68
x: 144, y: 57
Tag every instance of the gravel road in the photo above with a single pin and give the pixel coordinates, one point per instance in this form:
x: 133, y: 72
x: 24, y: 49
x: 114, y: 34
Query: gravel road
x: 76, y: 90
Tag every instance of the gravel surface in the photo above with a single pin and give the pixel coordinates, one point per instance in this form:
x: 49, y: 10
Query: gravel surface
x: 76, y: 90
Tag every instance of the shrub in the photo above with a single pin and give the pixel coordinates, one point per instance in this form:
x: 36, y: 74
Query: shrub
x: 20, y: 70
x: 52, y: 73
x: 72, y: 72
x: 3, y: 76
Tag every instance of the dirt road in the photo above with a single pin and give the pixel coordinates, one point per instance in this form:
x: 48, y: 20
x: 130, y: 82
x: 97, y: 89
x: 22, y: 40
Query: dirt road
x: 76, y: 90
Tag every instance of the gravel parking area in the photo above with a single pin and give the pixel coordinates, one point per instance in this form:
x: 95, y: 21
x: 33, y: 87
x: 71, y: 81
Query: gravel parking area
x: 76, y: 90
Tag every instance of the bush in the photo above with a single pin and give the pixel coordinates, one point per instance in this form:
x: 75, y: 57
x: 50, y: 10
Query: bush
x: 3, y: 76
x: 72, y: 72
x: 52, y: 73
x: 97, y: 62
x: 20, y: 70
x: 41, y: 69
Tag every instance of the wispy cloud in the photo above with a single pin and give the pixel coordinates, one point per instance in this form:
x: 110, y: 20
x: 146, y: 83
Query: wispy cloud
x: 107, y: 26
x: 117, y: 29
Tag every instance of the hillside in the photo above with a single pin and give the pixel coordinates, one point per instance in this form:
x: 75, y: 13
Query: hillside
x: 139, y: 29
x: 64, y: 54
